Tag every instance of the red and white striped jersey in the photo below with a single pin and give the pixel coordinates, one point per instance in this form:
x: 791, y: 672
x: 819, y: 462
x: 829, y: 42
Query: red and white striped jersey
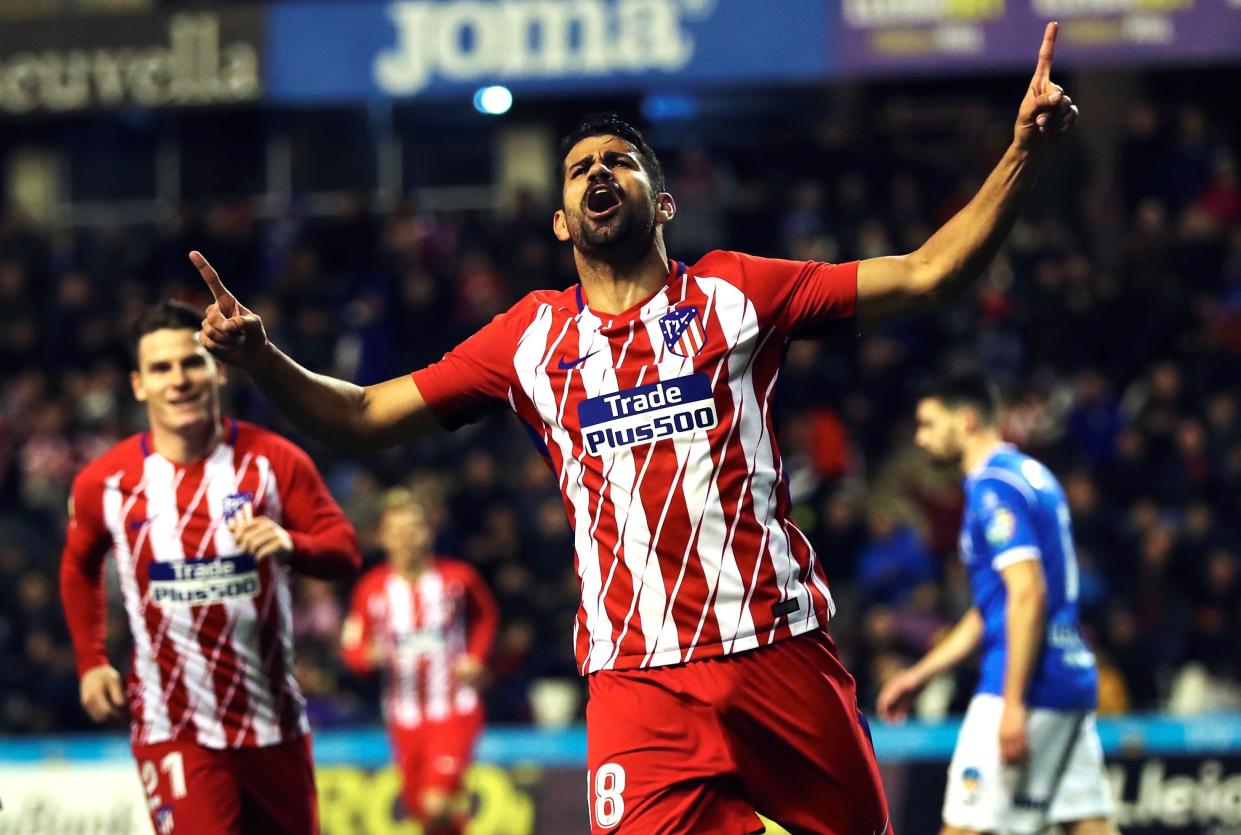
x: 212, y: 637
x: 658, y: 424
x: 418, y: 631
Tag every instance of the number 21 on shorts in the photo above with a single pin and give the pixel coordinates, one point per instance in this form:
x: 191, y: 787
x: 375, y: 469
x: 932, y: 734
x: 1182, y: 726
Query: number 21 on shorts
x: 607, y: 803
x: 172, y: 765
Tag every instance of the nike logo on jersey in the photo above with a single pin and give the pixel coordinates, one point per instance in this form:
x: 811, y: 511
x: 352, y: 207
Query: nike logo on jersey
x: 565, y: 366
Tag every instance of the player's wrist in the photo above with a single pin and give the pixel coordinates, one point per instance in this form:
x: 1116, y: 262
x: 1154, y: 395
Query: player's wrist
x: 260, y: 358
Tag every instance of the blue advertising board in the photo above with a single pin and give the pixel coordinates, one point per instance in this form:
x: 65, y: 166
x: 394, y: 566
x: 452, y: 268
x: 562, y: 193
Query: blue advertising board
x: 336, y: 51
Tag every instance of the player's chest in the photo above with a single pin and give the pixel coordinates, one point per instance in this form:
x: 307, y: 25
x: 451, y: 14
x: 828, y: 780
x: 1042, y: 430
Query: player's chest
x: 652, y: 378
x: 421, y: 615
x: 187, y: 513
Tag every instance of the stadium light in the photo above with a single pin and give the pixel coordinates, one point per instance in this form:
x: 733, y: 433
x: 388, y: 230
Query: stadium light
x: 493, y: 101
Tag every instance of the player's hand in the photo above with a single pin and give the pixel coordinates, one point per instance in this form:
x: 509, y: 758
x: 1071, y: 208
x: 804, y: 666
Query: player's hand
x: 897, y: 696
x: 101, y: 693
x: 470, y: 671
x: 1046, y: 112
x: 1013, y: 733
x: 231, y: 332
x: 259, y: 535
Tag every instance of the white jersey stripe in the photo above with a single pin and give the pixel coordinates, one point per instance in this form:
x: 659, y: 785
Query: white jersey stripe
x: 243, y: 636
x: 116, y: 516
x: 725, y: 589
x: 695, y: 446
x: 430, y: 591
x: 647, y: 594
x: 530, y: 362
x: 167, y: 525
x: 404, y: 705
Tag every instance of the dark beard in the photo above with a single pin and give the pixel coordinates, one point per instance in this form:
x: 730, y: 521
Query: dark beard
x: 626, y: 240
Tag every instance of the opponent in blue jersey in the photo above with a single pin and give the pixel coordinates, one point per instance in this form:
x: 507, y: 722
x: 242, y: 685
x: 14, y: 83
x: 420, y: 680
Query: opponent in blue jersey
x: 1028, y: 756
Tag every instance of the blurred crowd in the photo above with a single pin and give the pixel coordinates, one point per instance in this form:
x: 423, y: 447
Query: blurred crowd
x: 1112, y: 322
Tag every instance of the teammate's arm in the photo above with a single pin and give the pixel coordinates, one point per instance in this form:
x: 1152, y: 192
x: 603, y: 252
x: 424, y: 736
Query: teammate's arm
x: 482, y: 619
x: 962, y: 248
x: 357, y: 637
x: 1024, y: 609
x: 333, y: 411
x: 899, y: 692
x: 320, y: 539
x: 82, y: 595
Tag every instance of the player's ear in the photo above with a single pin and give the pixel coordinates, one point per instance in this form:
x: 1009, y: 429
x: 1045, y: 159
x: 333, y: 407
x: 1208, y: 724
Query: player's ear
x: 971, y: 419
x: 135, y: 382
x: 665, y: 207
x: 560, y: 225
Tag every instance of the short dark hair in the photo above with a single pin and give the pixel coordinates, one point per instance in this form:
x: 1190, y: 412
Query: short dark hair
x: 609, y: 124
x: 166, y: 314
x: 965, y: 388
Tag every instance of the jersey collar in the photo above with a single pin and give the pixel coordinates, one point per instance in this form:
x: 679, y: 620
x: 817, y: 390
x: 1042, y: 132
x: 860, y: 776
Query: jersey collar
x: 986, y: 462
x: 676, y: 269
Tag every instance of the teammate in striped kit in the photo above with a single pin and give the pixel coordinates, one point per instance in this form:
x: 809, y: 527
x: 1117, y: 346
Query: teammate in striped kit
x: 428, y: 623
x: 205, y: 517
x: 715, y: 691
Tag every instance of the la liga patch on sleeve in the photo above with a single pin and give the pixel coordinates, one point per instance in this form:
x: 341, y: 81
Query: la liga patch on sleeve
x: 1001, y: 527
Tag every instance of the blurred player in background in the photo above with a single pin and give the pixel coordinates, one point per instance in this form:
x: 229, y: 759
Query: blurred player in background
x: 206, y: 517
x: 1028, y: 756
x: 649, y: 389
x: 429, y: 624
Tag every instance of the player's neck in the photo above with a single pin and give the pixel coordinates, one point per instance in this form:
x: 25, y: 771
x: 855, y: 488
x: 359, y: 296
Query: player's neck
x: 614, y: 288
x: 187, y: 445
x: 413, y: 570
x: 978, y: 449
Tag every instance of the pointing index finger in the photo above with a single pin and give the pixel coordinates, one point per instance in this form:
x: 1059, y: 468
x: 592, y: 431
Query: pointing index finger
x: 212, y: 278
x: 1042, y: 70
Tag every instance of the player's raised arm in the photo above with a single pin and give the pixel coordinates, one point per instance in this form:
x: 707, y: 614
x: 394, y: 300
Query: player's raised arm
x: 963, y: 247
x: 333, y: 411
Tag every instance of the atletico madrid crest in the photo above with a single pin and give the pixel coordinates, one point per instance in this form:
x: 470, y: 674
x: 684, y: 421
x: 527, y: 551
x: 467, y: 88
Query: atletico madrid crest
x: 683, y: 331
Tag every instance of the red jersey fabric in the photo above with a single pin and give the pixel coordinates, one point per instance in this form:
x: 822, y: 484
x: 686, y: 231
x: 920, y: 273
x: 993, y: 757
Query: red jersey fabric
x: 658, y: 423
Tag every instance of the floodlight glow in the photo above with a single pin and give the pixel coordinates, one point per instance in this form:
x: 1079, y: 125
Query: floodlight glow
x: 493, y: 100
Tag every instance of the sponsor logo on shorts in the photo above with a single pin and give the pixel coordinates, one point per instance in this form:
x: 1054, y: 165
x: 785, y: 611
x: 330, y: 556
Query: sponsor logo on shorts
x: 629, y: 417
x: 971, y: 780
x: 202, y: 582
x: 163, y: 820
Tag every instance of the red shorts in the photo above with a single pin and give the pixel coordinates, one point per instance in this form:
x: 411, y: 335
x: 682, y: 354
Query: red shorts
x: 703, y: 746
x: 192, y: 790
x: 435, y: 756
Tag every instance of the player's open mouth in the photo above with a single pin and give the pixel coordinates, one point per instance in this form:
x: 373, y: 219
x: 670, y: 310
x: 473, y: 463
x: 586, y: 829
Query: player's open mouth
x: 185, y: 402
x: 602, y: 201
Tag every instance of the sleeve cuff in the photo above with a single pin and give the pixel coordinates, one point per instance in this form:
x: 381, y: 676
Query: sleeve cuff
x: 90, y: 661
x: 1021, y: 553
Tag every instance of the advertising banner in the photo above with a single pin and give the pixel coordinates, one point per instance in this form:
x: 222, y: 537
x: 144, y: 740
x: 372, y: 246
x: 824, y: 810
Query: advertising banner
x: 199, y: 57
x: 1155, y: 795
x: 1169, y: 776
x: 322, y: 51
x: 940, y: 36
